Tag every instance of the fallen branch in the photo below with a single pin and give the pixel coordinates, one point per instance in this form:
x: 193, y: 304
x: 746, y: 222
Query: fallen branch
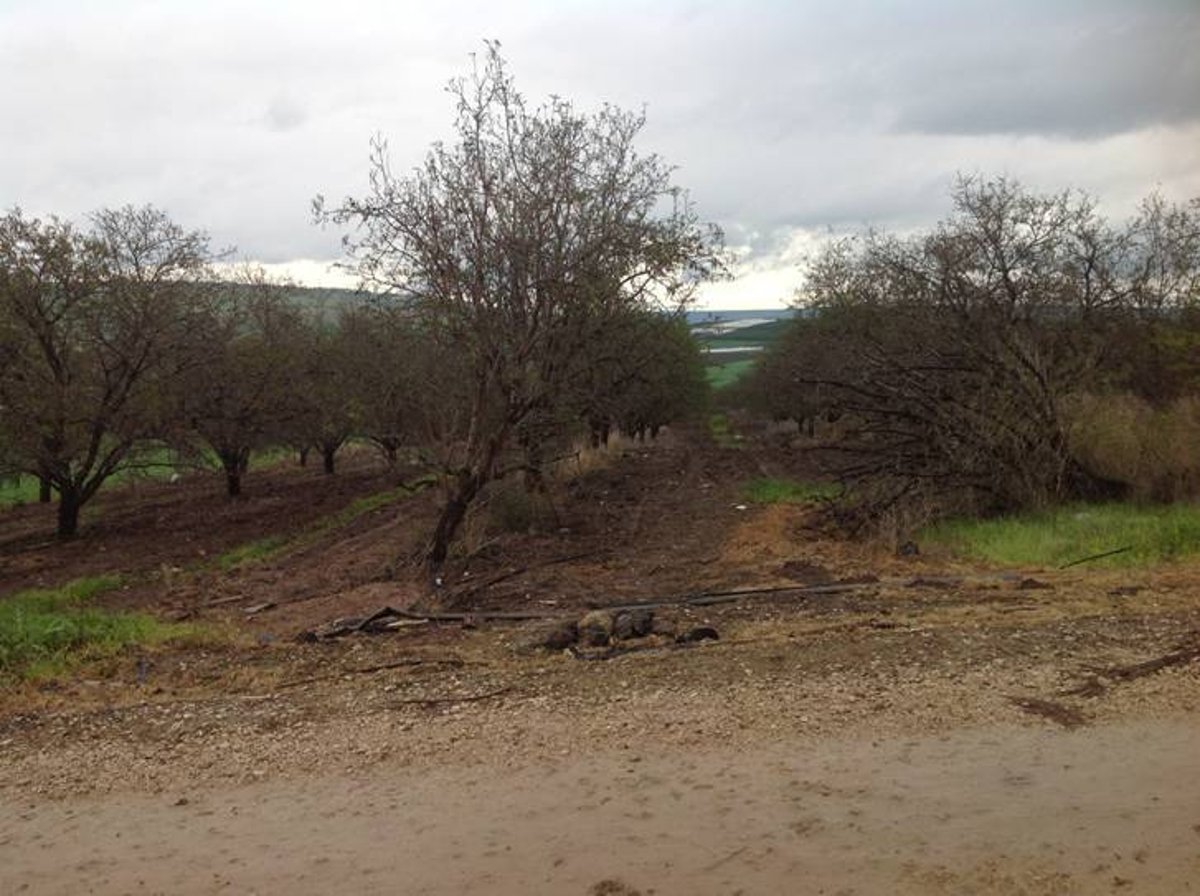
x: 1048, y: 709
x: 1101, y: 556
x: 728, y: 858
x: 227, y: 600
x: 469, y: 698
x: 1180, y: 657
x: 520, y: 570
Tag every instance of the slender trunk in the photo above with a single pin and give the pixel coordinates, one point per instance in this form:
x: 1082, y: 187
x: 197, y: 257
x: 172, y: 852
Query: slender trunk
x: 302, y: 456
x: 45, y: 489
x: 69, y: 502
x: 233, y: 475
x: 328, y: 452
x: 235, y: 463
x: 452, y: 516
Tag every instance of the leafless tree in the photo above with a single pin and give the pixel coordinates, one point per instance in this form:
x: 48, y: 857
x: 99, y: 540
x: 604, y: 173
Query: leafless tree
x: 509, y: 244
x: 96, y: 325
x: 241, y: 398
x: 951, y: 353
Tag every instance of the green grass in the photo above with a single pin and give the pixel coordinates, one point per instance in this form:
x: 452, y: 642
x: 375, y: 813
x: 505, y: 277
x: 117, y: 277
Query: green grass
x: 265, y: 548
x: 788, y: 491
x: 721, y: 432
x: 1144, y: 535
x: 722, y: 375
x: 46, y: 632
x: 18, y: 490
x: 251, y: 552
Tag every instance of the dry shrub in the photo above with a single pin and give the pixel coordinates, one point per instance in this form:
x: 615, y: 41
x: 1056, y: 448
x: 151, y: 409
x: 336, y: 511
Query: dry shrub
x: 1125, y: 438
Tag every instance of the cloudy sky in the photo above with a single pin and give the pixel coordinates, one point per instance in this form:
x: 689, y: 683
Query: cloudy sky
x: 787, y: 121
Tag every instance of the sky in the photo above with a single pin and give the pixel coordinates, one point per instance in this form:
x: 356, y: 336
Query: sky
x: 787, y: 122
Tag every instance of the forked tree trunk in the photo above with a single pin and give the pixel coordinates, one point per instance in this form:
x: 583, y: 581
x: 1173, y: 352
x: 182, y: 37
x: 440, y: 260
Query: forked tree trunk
x: 452, y: 516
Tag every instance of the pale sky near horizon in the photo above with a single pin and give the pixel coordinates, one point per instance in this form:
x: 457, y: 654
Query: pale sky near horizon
x: 787, y: 121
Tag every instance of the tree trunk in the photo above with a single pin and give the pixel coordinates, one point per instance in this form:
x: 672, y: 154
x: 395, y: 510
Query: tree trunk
x: 302, y: 456
x: 452, y: 516
x: 45, y: 489
x: 328, y: 452
x: 68, y: 513
x: 234, y: 463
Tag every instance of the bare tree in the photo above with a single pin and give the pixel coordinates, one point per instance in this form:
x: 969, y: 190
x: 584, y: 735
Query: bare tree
x: 510, y: 243
x: 96, y: 326
x: 951, y: 352
x: 242, y: 396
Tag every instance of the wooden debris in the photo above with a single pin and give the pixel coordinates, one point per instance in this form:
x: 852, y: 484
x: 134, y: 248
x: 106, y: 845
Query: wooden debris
x: 1185, y: 654
x: 1048, y: 709
x: 259, y: 608
x: 467, y: 698
x: 1100, y: 556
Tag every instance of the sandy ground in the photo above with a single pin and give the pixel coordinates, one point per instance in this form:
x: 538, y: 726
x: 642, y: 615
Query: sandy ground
x: 936, y: 728
x: 1001, y: 809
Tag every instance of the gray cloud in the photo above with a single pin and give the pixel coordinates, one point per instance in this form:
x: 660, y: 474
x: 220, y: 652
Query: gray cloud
x: 785, y: 119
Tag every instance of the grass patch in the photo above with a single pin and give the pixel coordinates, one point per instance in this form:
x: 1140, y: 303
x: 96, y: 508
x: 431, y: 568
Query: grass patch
x: 722, y: 375
x: 46, y: 632
x: 265, y: 548
x: 250, y: 552
x: 788, y: 491
x: 720, y: 430
x: 17, y: 490
x: 1151, y: 534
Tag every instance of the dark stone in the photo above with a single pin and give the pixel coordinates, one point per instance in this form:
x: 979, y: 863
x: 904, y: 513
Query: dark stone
x: 700, y: 633
x: 596, y: 629
x: 555, y: 636
x: 633, y: 624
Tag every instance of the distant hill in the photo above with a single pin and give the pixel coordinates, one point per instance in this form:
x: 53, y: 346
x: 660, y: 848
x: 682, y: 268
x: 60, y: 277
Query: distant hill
x: 732, y: 340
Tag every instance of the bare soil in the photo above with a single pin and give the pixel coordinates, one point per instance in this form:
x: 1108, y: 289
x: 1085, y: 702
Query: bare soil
x: 924, y: 726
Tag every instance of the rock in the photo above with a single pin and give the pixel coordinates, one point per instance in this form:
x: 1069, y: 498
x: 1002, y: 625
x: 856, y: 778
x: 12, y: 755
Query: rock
x: 663, y: 628
x: 553, y: 636
x: 596, y: 629
x: 699, y: 633
x: 633, y: 624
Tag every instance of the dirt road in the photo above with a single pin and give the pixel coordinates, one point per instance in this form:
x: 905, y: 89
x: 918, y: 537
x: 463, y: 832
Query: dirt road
x: 930, y: 727
x: 995, y: 810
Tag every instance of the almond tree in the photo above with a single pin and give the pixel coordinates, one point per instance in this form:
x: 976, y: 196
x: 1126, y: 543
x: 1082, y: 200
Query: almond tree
x: 511, y: 243
x: 243, y: 394
x: 96, y: 326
